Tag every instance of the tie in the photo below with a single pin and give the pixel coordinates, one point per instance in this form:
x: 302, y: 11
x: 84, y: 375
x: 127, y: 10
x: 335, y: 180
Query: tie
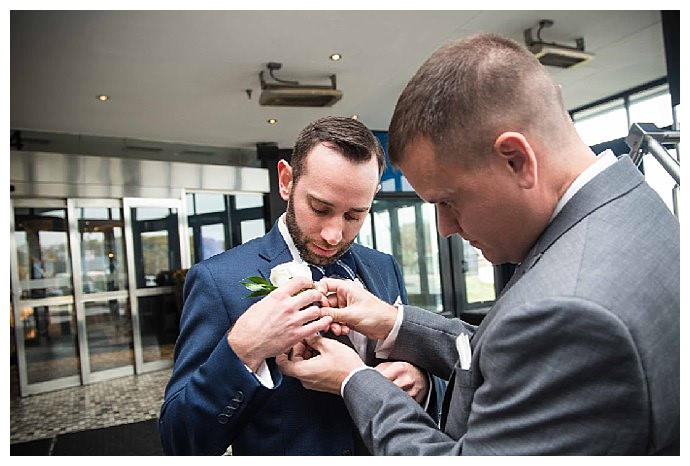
x: 344, y: 267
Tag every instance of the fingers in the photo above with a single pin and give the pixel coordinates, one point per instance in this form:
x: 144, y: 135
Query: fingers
x: 339, y: 329
x: 295, y: 285
x: 314, y: 327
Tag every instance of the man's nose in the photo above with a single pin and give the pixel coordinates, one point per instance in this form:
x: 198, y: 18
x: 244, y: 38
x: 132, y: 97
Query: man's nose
x: 447, y: 224
x: 332, y: 232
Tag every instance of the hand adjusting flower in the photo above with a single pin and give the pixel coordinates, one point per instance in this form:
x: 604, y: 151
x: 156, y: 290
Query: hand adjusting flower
x: 280, y: 274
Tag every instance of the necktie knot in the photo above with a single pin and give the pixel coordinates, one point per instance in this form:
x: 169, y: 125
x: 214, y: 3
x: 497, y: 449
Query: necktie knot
x: 344, y: 268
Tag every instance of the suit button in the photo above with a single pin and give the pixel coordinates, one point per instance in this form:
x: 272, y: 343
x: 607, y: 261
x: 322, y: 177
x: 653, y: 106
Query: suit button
x: 239, y: 396
x: 228, y: 410
x: 224, y: 418
x: 347, y: 452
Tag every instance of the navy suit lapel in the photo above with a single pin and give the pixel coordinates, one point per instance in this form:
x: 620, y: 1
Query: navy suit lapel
x: 273, y: 251
x: 370, y: 276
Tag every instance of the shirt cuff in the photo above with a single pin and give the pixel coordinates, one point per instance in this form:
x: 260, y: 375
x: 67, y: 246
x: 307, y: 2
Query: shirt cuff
x: 383, y: 348
x: 428, y: 392
x: 263, y: 373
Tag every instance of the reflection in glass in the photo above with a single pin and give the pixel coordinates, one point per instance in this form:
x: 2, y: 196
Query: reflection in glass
x: 212, y: 240
x: 42, y: 252
x: 156, y: 245
x: 109, y: 333
x: 159, y: 323
x: 252, y: 229
x: 218, y: 222
x: 406, y: 228
x: 50, y: 342
x: 479, y: 275
x: 102, y: 249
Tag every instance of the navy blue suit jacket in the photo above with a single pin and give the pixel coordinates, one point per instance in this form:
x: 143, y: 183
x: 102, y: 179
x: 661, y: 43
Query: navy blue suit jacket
x: 212, y: 400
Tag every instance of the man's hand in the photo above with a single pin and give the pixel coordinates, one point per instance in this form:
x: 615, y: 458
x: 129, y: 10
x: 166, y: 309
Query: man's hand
x: 353, y: 307
x: 278, y: 322
x: 409, y: 377
x: 320, y: 363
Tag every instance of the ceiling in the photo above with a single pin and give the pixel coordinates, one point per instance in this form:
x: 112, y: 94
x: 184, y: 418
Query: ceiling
x: 182, y: 76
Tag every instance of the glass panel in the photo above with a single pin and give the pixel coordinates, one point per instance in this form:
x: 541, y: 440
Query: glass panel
x: 159, y: 322
x: 246, y: 201
x: 190, y: 237
x: 655, y: 109
x: 251, y: 229
x: 603, y: 123
x: 42, y: 253
x: 212, y: 240
x: 205, y: 203
x: 406, y: 228
x: 366, y: 236
x: 218, y: 222
x: 50, y: 341
x: 479, y: 275
x: 382, y: 230
x: 102, y: 248
x: 156, y: 245
x: 109, y: 334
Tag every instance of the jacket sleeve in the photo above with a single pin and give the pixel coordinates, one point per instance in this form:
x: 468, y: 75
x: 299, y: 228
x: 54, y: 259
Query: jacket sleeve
x: 559, y: 376
x: 211, y: 395
x: 437, y: 386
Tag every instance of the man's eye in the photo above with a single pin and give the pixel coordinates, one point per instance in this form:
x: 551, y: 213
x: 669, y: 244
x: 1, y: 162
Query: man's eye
x: 351, y: 218
x: 319, y: 211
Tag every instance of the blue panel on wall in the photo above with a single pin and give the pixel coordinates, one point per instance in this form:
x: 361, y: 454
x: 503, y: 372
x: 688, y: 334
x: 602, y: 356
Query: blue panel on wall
x: 392, y: 179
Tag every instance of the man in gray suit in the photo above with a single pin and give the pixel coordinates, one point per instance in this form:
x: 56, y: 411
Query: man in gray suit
x: 580, y: 353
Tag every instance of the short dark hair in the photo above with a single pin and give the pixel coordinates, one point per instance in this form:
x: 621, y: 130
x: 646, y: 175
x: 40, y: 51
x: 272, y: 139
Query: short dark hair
x: 468, y: 92
x: 348, y: 136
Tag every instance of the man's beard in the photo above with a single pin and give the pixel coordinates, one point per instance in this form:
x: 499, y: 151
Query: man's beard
x: 302, y: 241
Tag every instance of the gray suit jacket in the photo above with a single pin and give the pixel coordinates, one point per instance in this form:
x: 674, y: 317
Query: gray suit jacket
x: 579, y: 355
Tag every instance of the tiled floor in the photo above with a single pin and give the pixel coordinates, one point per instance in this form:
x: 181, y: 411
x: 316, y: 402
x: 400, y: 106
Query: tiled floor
x: 118, y: 401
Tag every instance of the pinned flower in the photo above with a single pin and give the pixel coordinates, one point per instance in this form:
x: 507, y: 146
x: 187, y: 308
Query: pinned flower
x: 280, y: 274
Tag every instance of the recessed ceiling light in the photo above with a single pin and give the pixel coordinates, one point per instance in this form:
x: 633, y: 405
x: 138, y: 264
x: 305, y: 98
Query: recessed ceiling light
x: 102, y: 97
x: 336, y: 57
x: 272, y: 121
x: 355, y: 117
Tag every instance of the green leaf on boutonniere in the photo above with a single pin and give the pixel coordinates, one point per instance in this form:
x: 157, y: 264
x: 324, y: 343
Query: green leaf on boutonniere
x: 258, y: 286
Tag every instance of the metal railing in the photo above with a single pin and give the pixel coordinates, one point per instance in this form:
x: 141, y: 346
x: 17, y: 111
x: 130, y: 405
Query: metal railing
x: 647, y: 138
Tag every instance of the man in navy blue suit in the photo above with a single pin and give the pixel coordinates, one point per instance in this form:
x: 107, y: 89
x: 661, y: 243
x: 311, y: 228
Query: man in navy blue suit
x: 225, y: 389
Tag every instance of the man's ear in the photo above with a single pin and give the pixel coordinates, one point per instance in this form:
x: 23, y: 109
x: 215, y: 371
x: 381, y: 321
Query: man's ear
x: 518, y: 156
x: 284, y: 179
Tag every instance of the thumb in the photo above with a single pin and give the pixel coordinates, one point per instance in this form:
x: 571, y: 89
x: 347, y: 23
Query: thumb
x: 320, y: 343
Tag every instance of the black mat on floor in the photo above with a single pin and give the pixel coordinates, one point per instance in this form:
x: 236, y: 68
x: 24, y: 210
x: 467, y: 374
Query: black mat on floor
x: 33, y: 448
x: 136, y: 439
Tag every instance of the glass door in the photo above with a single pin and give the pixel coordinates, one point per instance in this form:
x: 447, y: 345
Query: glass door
x: 153, y: 231
x: 405, y: 227
x: 102, y: 300
x: 43, y: 309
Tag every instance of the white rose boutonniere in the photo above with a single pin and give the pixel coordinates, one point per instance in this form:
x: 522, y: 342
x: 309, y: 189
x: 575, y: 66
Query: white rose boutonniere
x: 280, y: 274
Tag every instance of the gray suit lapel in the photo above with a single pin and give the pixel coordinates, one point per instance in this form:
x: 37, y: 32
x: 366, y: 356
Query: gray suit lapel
x: 617, y: 180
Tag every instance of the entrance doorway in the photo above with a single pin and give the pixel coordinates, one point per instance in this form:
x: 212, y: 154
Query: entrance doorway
x: 92, y: 289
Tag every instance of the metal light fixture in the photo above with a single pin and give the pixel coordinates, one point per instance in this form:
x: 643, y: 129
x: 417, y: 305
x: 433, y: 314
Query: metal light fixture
x: 553, y: 54
x: 284, y: 93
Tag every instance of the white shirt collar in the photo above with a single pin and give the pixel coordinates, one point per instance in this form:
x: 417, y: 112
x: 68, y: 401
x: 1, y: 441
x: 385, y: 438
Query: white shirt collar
x: 604, y: 160
x: 285, y: 233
